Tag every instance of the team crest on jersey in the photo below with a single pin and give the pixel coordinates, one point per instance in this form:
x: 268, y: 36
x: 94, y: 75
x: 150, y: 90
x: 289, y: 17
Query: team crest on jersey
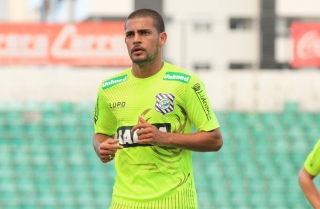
x: 164, y: 103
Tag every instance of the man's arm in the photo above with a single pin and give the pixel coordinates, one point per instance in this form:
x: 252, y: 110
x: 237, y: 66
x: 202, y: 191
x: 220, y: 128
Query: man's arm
x: 203, y: 141
x: 105, y: 146
x: 309, y: 188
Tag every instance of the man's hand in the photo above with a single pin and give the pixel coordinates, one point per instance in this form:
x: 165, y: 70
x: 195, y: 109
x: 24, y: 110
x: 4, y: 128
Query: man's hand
x: 108, y: 149
x: 149, y: 134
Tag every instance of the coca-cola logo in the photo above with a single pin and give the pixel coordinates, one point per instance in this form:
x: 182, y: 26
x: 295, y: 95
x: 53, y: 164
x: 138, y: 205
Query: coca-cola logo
x: 308, y: 46
x: 87, y: 45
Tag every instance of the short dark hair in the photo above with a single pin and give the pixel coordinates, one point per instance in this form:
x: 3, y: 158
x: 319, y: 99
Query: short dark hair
x: 158, y: 22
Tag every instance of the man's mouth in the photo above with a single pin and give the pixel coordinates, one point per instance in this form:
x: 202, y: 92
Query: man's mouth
x: 137, y: 50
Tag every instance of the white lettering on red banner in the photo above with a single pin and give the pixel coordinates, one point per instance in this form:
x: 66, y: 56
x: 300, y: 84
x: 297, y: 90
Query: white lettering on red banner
x: 87, y: 44
x: 306, y: 44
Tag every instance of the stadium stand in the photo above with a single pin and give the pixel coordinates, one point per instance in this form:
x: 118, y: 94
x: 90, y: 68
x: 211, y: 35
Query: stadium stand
x: 47, y: 160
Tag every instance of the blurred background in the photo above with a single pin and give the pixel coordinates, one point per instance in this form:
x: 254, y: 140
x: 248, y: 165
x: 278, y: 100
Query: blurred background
x: 259, y: 59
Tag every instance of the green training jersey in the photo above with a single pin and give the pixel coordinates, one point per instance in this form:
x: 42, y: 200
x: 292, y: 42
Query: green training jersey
x: 312, y: 163
x: 173, y: 100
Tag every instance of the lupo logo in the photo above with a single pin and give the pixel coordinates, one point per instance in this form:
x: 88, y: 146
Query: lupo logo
x: 117, y: 105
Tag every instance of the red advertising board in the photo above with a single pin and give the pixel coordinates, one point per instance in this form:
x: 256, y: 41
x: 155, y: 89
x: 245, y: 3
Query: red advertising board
x: 84, y: 44
x: 306, y: 44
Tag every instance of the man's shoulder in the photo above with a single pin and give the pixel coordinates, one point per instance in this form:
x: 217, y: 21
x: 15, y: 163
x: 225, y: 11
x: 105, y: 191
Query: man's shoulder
x: 120, y: 73
x: 174, y: 68
x: 317, y: 146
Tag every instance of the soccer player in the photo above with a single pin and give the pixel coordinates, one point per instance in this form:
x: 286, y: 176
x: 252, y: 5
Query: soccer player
x: 308, y: 172
x: 143, y: 118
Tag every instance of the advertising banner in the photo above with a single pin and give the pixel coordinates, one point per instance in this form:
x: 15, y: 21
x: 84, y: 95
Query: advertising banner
x: 83, y: 44
x: 306, y: 44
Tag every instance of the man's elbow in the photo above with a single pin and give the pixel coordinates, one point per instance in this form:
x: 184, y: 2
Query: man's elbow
x: 218, y: 143
x: 216, y: 140
x: 304, y: 176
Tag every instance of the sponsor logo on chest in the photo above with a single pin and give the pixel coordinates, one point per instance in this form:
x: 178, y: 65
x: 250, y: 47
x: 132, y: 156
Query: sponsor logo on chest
x: 130, y: 139
x: 175, y: 76
x: 113, y: 81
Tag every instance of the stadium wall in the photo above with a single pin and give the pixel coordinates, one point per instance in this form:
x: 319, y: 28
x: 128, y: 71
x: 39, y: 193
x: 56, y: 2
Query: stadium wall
x: 228, y: 90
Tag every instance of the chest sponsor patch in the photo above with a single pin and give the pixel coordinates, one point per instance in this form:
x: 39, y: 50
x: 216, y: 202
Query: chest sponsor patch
x: 164, y: 103
x: 130, y: 139
x: 113, y: 81
x: 174, y: 76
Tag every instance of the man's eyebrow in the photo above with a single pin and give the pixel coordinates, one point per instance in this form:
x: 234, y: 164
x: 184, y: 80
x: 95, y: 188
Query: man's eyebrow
x: 143, y: 30
x: 140, y: 30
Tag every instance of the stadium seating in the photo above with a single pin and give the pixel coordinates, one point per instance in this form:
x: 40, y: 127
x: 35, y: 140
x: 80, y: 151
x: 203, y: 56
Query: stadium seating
x: 47, y: 160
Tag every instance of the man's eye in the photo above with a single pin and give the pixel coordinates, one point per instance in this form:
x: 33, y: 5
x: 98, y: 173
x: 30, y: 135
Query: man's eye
x: 145, y: 33
x: 129, y: 35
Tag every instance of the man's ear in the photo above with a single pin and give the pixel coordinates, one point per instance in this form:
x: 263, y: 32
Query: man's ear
x: 162, y: 38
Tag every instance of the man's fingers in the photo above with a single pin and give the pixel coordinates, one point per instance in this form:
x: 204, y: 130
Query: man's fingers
x: 144, y: 141
x: 107, y: 151
x: 141, y: 120
x: 145, y: 135
x: 110, y: 147
x: 139, y: 126
x: 113, y: 141
x: 107, y: 155
x: 106, y: 159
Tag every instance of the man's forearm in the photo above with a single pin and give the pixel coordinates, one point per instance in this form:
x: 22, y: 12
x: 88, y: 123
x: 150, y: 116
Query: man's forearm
x: 309, y: 188
x: 200, y: 141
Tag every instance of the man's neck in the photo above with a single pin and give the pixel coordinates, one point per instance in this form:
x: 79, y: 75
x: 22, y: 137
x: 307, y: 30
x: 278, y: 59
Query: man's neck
x: 147, y: 70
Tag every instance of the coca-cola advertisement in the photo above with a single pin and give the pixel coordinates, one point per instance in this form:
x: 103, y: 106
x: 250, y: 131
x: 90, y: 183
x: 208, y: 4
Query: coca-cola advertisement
x: 306, y: 44
x: 84, y: 44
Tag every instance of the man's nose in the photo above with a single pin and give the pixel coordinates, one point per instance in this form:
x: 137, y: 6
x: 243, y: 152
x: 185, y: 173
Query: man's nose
x: 137, y: 39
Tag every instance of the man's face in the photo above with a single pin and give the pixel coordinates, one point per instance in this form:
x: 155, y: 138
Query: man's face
x: 142, y: 40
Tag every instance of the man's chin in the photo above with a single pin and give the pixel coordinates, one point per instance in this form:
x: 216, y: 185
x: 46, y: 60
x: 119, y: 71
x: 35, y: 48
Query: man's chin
x: 140, y: 61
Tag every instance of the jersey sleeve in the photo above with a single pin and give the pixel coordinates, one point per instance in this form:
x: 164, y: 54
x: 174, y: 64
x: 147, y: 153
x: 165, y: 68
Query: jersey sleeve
x: 312, y: 163
x: 104, y: 120
x: 198, y: 106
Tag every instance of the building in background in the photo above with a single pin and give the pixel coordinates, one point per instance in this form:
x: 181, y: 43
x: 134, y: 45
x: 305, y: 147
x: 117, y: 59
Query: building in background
x: 203, y: 34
